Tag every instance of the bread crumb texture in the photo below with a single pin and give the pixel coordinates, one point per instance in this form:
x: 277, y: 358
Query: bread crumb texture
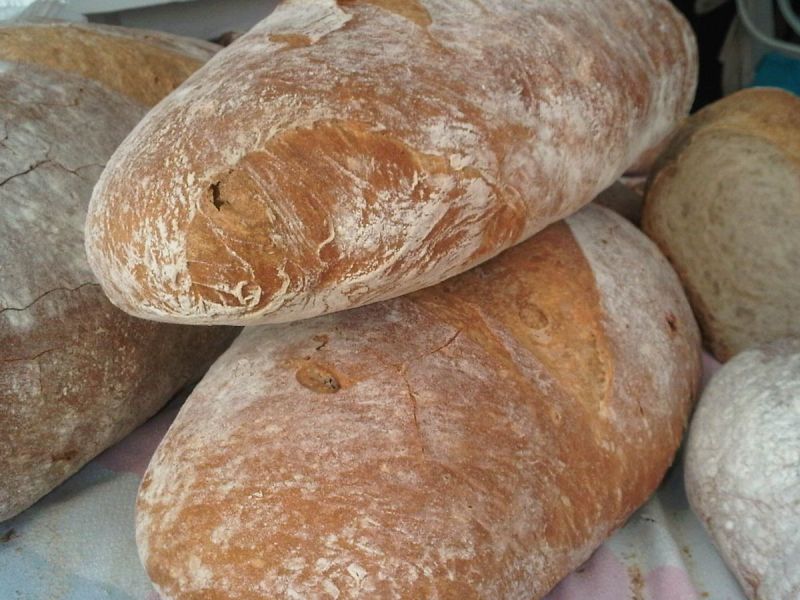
x: 724, y: 206
x: 482, y: 438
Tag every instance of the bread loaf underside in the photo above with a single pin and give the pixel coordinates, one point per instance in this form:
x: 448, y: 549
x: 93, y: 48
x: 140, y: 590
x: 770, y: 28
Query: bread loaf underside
x: 76, y: 374
x: 478, y: 439
x: 346, y: 152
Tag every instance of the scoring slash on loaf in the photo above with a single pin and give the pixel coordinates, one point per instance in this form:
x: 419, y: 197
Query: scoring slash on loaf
x: 346, y: 152
x: 76, y: 373
x: 477, y: 439
x: 724, y: 206
x: 743, y: 468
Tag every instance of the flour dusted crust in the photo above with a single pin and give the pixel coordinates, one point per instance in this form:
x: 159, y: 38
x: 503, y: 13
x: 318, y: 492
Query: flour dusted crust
x: 743, y: 468
x: 724, y: 206
x: 76, y: 374
x: 345, y: 152
x: 477, y: 439
x: 143, y: 65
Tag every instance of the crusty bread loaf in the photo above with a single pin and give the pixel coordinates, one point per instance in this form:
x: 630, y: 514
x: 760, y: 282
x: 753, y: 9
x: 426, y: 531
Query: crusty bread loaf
x: 144, y: 65
x: 743, y: 468
x: 76, y: 374
x: 346, y: 152
x: 478, y: 439
x: 724, y: 206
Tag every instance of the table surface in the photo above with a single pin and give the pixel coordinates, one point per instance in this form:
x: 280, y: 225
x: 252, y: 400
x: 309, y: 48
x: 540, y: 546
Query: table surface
x: 77, y: 543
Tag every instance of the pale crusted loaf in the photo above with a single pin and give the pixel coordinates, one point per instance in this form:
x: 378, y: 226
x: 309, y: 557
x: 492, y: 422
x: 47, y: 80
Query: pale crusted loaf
x: 346, y: 152
x: 743, y: 468
x: 76, y: 374
x: 478, y: 439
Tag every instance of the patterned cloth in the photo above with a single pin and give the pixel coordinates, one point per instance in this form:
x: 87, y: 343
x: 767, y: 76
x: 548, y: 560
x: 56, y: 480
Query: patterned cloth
x: 77, y: 543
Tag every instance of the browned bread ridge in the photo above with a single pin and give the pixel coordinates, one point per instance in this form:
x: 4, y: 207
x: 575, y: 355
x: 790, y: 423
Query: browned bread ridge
x: 76, y: 374
x: 477, y: 439
x: 346, y: 152
x: 723, y: 203
x: 144, y: 65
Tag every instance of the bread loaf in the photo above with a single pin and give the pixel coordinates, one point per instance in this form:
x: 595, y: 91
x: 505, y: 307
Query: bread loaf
x: 143, y: 65
x: 478, y: 439
x: 76, y: 374
x: 743, y: 468
x: 346, y: 152
x: 724, y: 206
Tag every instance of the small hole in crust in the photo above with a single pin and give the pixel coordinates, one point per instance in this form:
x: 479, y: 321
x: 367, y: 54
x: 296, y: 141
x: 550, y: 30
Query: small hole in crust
x: 215, y: 196
x: 65, y: 456
x: 318, y: 378
x: 533, y: 316
x: 672, y: 322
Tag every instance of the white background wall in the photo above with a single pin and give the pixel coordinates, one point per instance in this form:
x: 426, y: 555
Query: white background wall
x: 205, y: 19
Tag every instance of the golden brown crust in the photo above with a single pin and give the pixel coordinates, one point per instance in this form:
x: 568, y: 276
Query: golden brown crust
x: 770, y: 113
x: 413, y: 10
x: 477, y: 439
x: 341, y: 153
x: 144, y: 65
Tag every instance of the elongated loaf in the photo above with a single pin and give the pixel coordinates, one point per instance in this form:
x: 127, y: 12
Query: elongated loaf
x: 76, y: 374
x: 724, y: 206
x: 478, y: 439
x: 346, y: 152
